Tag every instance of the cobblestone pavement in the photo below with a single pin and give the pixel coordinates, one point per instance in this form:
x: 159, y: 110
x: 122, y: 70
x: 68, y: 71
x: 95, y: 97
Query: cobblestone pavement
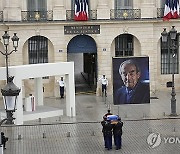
x: 82, y: 134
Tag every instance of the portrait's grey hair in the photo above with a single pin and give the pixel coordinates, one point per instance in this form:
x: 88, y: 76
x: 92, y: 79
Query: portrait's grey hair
x: 129, y: 61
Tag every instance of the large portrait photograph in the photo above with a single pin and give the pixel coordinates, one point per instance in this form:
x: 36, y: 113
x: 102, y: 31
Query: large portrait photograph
x: 131, y: 80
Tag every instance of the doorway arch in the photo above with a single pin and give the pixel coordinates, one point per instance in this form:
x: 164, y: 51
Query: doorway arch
x: 82, y: 50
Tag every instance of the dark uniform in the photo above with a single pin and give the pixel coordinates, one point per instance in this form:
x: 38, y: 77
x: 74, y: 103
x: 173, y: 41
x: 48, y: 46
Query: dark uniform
x: 117, y: 132
x: 108, y: 113
x: 3, y: 140
x: 107, y: 133
x: 104, y: 83
x: 103, y: 123
x: 61, y: 85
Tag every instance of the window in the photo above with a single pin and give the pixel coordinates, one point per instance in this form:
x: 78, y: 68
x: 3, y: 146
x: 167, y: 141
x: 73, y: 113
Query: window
x: 37, y: 5
x: 38, y: 50
x: 167, y: 58
x: 37, y: 10
x: 124, y: 45
x: 123, y: 4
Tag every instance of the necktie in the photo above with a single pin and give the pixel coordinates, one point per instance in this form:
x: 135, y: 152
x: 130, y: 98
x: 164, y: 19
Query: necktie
x: 129, y: 96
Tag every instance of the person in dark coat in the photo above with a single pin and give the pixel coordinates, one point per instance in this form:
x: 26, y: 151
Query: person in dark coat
x: 117, y: 132
x: 138, y: 95
x: 134, y: 90
x: 108, y: 113
x: 107, y: 132
x: 103, y: 124
x: 3, y: 140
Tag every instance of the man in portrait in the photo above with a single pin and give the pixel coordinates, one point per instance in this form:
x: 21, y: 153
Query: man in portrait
x: 133, y: 90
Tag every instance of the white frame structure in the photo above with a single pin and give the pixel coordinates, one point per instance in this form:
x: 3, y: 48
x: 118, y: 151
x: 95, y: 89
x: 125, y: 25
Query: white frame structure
x: 37, y: 71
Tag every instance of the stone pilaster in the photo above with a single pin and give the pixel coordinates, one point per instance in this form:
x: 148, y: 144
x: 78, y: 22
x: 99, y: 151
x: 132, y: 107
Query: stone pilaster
x: 12, y: 11
x: 59, y: 12
x: 103, y: 11
x: 150, y: 6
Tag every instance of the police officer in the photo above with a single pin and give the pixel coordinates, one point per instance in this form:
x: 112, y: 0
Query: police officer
x: 104, y: 83
x: 117, y: 132
x: 107, y: 132
x: 61, y: 86
x: 108, y: 113
x: 3, y: 140
x: 103, y: 124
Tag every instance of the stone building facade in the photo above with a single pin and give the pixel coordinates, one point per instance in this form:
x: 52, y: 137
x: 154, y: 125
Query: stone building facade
x: 141, y: 22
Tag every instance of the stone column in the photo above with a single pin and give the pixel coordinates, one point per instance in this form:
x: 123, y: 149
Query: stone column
x: 12, y: 10
x: 18, y: 114
x: 38, y: 91
x: 70, y: 95
x: 59, y: 12
x: 103, y: 11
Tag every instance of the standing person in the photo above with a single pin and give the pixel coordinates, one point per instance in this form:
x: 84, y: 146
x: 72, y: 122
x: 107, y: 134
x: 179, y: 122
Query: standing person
x: 103, y: 124
x: 104, y: 83
x: 3, y: 140
x: 117, y: 132
x: 61, y: 85
x: 107, y: 132
x: 134, y: 91
x: 108, y: 113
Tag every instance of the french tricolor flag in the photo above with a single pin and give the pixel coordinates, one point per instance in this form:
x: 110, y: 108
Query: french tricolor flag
x: 171, y: 10
x: 176, y: 9
x: 81, y: 10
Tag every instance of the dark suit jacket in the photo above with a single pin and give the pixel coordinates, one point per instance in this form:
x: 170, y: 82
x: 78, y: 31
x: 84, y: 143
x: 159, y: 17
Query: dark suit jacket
x: 117, y: 129
x: 140, y: 96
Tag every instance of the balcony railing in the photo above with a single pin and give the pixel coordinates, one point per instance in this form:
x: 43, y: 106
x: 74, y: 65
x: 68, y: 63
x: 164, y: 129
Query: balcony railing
x: 37, y: 15
x: 160, y: 12
x: 123, y: 14
x: 1, y: 16
x: 70, y: 15
x: 115, y: 14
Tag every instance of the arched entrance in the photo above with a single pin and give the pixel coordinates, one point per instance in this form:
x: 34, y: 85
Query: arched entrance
x: 83, y: 51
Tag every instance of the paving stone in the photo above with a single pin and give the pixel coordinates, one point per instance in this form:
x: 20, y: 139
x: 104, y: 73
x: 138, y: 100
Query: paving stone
x: 85, y: 129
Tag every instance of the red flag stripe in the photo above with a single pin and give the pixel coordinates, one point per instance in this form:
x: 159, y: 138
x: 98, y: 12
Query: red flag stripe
x: 171, y: 10
x: 81, y: 10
